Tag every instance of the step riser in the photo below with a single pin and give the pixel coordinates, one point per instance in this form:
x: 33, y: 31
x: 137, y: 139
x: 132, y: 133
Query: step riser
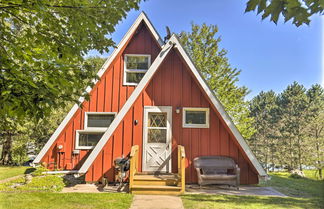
x: 160, y: 183
x: 151, y: 192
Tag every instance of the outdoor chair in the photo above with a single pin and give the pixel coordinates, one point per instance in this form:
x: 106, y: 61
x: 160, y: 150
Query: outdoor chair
x: 217, y: 170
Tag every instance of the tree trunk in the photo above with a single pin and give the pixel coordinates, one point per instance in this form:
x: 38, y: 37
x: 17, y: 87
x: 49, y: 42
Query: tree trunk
x: 6, y: 158
x: 320, y: 173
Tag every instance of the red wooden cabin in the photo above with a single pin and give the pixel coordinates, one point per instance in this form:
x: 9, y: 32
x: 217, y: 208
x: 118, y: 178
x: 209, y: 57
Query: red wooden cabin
x: 149, y: 94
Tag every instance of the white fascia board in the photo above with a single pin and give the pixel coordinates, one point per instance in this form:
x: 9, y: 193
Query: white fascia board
x: 126, y: 107
x: 219, y: 107
x: 140, y: 18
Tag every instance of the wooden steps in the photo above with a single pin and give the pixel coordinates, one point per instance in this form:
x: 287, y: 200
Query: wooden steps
x: 156, y: 184
x: 165, y: 184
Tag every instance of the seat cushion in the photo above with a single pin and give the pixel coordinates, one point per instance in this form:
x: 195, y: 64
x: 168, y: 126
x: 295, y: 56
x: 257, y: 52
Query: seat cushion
x: 218, y: 176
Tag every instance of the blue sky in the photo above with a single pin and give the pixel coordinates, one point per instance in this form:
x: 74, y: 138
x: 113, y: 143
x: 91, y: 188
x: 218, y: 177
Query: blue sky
x: 270, y: 56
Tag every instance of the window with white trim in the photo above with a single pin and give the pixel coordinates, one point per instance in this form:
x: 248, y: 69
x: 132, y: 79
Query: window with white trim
x: 135, y: 67
x: 86, y: 139
x: 98, y: 120
x: 194, y: 117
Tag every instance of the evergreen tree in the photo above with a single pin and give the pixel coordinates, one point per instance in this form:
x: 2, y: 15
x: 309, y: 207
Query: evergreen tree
x: 202, y: 45
x: 293, y: 106
x: 315, y: 128
x: 263, y: 109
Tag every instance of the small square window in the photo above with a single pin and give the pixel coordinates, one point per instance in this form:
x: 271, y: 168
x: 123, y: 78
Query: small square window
x: 87, y: 139
x: 98, y: 120
x: 195, y: 117
x: 135, y: 68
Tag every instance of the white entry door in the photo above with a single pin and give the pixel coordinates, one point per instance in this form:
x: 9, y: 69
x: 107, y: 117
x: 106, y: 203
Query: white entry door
x: 157, y: 139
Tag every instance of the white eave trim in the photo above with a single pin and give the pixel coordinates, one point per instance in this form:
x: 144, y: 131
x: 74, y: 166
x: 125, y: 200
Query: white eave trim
x: 130, y: 32
x: 129, y: 103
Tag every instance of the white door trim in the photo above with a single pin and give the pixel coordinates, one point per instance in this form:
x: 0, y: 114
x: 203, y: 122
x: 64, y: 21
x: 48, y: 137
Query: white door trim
x: 168, y: 110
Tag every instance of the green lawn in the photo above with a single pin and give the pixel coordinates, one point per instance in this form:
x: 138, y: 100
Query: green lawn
x: 50, y: 200
x: 247, y: 202
x: 7, y: 172
x: 303, y: 193
x: 42, y: 192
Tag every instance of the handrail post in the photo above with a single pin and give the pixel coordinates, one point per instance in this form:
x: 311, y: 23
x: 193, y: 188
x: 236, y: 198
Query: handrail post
x: 181, y: 167
x: 133, y: 165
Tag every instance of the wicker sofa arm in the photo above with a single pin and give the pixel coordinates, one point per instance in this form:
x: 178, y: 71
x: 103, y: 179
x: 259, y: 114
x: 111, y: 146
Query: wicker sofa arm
x: 237, y: 172
x: 199, y: 176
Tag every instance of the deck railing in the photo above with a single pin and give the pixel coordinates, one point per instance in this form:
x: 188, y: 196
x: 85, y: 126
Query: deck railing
x: 181, y: 168
x: 133, y: 165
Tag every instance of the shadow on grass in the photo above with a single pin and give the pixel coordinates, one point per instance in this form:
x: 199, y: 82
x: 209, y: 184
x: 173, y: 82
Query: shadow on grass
x: 29, y: 170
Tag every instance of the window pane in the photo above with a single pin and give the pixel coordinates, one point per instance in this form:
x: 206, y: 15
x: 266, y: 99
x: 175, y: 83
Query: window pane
x: 89, y: 139
x: 157, y: 135
x: 134, y: 77
x: 96, y: 120
x: 157, y: 120
x: 195, y: 117
x: 137, y: 62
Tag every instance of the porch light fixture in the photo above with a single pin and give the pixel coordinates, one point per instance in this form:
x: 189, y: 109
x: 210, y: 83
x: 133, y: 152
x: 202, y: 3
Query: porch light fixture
x: 178, y: 110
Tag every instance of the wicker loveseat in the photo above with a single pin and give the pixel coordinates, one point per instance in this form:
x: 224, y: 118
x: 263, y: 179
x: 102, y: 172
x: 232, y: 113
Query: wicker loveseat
x: 217, y: 170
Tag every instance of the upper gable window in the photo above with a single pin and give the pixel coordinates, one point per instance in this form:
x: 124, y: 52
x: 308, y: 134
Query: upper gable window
x: 136, y: 66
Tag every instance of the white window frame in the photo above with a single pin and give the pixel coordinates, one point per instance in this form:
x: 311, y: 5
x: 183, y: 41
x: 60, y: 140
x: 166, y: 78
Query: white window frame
x: 77, y: 136
x: 100, y: 129
x: 185, y: 125
x: 134, y: 70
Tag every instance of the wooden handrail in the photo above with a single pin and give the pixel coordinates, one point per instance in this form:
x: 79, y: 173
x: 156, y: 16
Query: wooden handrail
x: 181, y: 167
x: 133, y: 165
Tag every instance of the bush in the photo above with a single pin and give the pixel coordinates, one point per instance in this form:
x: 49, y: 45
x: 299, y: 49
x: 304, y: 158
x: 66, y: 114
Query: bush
x: 51, y: 183
x: 39, y: 171
x: 295, y: 176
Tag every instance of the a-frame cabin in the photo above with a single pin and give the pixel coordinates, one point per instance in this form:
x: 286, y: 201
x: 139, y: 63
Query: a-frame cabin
x: 149, y: 94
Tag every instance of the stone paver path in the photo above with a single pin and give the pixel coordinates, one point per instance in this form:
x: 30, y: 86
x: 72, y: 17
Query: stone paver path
x: 11, y: 178
x: 82, y: 188
x: 156, y: 202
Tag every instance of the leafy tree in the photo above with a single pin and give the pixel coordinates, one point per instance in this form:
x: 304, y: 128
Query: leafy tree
x: 42, y: 48
x: 264, y: 109
x: 202, y: 45
x: 293, y: 107
x: 16, y: 136
x: 315, y: 128
x: 299, y: 11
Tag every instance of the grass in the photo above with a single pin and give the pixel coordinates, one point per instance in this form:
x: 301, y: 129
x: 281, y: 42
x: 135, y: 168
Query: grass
x: 7, y: 172
x: 52, y: 200
x: 198, y: 201
x: 303, y: 193
x: 42, y: 192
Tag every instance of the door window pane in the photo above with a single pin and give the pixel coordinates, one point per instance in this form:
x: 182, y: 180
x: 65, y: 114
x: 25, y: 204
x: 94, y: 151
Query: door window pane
x: 157, y: 120
x: 157, y: 135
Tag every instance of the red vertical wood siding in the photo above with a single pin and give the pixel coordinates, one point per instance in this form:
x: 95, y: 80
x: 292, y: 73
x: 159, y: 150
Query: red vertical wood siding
x: 108, y: 95
x: 173, y: 85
